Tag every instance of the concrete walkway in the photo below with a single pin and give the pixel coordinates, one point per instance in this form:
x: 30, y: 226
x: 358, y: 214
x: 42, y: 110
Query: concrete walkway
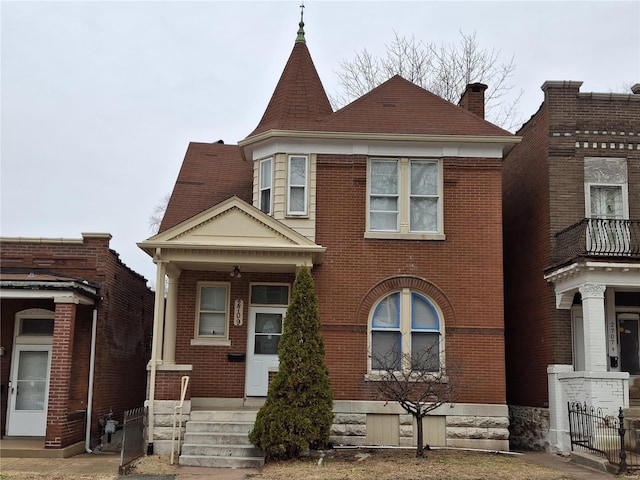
x: 579, y: 466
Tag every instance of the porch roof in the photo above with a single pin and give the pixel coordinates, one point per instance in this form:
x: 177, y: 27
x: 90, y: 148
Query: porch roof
x: 38, y: 284
x: 233, y: 233
x: 568, y: 279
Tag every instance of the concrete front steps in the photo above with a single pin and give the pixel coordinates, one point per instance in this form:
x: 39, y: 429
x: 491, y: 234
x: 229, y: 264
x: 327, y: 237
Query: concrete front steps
x: 220, y: 439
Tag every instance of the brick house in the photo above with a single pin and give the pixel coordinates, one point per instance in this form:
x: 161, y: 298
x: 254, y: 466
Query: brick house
x: 571, y: 207
x: 393, y: 201
x: 76, y: 338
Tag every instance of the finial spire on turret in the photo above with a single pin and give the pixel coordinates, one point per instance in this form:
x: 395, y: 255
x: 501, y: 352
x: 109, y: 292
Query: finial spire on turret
x: 300, y: 37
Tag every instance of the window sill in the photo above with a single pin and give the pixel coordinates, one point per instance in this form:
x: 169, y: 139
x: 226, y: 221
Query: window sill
x: 210, y: 342
x: 404, y: 236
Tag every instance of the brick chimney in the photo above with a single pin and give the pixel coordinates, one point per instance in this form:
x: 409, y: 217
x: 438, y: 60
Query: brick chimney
x: 473, y: 98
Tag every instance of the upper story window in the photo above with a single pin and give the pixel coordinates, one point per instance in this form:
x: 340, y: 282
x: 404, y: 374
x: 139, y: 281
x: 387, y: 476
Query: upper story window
x: 212, y: 317
x: 405, y: 198
x: 606, y: 190
x: 266, y: 185
x: 297, y: 183
x: 606, y: 202
x: 405, y: 332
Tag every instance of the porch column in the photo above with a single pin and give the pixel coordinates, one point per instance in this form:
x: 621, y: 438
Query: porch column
x: 171, y: 318
x: 595, y: 334
x: 60, y: 376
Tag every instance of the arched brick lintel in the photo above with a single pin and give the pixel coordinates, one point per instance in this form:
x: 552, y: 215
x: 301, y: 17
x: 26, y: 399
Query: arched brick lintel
x: 406, y: 281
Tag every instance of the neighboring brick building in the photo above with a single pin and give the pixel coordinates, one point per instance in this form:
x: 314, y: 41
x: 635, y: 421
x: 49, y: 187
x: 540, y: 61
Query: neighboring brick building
x: 60, y: 297
x: 395, y: 203
x: 571, y: 202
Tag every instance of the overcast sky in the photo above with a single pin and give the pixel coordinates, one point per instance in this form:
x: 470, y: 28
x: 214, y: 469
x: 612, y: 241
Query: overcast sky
x: 100, y: 99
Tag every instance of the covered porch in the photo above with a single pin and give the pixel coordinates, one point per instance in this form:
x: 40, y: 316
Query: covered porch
x: 47, y: 324
x: 603, y: 299
x: 223, y: 286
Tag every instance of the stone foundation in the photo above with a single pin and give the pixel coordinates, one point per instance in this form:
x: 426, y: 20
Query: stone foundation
x: 163, y: 412
x: 467, y: 425
x: 528, y: 428
x: 464, y: 425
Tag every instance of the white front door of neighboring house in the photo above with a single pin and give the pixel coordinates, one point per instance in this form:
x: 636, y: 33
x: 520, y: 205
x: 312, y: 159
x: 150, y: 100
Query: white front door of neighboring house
x: 265, y: 330
x: 29, y: 390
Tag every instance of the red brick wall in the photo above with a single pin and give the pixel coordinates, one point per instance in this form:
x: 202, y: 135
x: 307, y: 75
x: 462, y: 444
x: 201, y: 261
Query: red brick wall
x: 528, y: 297
x: 213, y: 374
x: 125, y: 320
x: 125, y: 317
x: 463, y: 274
x: 60, y: 376
x: 465, y: 269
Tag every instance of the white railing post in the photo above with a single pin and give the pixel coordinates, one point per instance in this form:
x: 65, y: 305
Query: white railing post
x: 177, y: 418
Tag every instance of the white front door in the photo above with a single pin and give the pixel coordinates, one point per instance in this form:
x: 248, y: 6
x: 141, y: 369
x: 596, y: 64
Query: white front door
x: 29, y: 391
x: 265, y: 329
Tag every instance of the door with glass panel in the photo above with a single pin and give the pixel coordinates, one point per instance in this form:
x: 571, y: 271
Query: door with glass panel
x: 265, y: 330
x: 29, y: 390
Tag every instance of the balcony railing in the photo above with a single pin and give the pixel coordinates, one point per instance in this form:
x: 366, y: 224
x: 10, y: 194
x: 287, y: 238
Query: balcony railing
x: 594, y: 237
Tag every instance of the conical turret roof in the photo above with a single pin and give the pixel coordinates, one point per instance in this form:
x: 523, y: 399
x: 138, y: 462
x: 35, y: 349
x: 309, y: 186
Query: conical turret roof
x: 299, y: 99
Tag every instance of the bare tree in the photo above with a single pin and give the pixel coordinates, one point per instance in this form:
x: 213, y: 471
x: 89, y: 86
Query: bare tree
x: 419, y: 381
x: 444, y: 69
x: 158, y: 213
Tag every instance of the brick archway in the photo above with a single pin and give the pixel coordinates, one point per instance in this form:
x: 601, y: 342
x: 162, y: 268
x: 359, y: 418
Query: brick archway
x: 405, y: 281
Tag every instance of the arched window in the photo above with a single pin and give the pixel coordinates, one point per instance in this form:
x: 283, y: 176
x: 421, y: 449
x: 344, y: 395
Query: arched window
x: 406, y: 332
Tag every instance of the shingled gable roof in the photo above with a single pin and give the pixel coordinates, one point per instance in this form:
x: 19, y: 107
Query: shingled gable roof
x: 210, y: 174
x: 398, y: 106
x: 299, y: 99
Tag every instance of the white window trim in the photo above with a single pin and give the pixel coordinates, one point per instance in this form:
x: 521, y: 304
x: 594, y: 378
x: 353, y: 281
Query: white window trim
x: 212, y: 339
x: 33, y: 314
x: 403, y: 232
x: 261, y: 187
x: 305, y: 212
x: 625, y: 197
x: 405, y: 329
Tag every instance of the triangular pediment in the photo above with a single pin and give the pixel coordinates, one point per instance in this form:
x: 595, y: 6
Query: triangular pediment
x: 232, y: 224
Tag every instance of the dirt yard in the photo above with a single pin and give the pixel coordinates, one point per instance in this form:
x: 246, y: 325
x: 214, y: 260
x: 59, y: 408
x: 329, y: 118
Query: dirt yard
x: 389, y: 464
x: 360, y: 464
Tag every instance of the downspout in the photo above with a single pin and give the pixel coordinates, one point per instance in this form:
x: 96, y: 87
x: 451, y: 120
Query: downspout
x: 92, y: 361
x: 158, y: 311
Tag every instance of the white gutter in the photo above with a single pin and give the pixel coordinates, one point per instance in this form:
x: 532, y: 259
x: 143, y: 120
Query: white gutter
x: 92, y: 361
x: 158, y: 312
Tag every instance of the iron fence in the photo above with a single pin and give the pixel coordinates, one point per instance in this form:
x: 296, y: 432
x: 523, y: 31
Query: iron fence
x: 613, y: 437
x: 133, y: 438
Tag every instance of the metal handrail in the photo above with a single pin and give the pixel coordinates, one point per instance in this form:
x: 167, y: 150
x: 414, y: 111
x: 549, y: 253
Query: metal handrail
x: 177, y: 418
x: 597, y: 237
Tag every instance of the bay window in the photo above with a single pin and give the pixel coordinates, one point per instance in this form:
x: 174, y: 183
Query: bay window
x: 298, y: 169
x: 266, y: 185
